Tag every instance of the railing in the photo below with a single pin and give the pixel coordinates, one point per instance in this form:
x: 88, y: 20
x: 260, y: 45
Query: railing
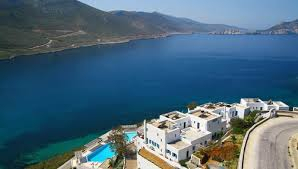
x: 133, y: 126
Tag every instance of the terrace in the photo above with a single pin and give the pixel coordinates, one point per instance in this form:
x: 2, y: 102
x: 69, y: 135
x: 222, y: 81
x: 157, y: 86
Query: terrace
x: 164, y: 125
x: 214, y: 106
x: 174, y: 115
x: 204, y: 114
x: 279, y: 103
x: 179, y: 144
x: 192, y: 134
x: 252, y: 100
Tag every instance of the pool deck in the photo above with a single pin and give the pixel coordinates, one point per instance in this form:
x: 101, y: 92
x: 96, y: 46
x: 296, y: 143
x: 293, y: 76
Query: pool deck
x: 95, y: 144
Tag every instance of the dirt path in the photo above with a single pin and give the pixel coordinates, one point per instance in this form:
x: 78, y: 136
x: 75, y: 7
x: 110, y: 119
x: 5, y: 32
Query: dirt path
x: 46, y: 44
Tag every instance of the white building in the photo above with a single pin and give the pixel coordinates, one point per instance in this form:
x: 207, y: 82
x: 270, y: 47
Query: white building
x: 175, y: 135
x: 227, y: 111
x: 258, y: 104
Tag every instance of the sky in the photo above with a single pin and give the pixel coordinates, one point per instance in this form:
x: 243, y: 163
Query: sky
x: 251, y: 14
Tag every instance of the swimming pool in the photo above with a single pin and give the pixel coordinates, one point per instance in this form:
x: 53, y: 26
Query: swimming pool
x: 130, y: 135
x: 104, y: 152
x: 101, y: 154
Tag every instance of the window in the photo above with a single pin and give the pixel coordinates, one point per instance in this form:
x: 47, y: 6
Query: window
x: 193, y: 148
x: 174, y: 155
x: 168, y: 151
x: 146, y: 140
x: 160, y: 140
x: 236, y: 114
x: 157, y: 134
x: 175, y: 135
x: 150, y: 141
x: 205, y: 142
x: 157, y: 145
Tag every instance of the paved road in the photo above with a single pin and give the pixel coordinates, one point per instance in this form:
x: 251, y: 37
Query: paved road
x: 267, y: 147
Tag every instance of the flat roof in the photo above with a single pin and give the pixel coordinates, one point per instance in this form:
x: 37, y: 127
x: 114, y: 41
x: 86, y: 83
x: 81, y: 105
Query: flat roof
x: 164, y: 125
x: 192, y: 134
x: 175, y: 115
x: 204, y: 114
x: 179, y: 144
x: 280, y: 103
x: 213, y: 106
x: 252, y: 99
x: 239, y: 105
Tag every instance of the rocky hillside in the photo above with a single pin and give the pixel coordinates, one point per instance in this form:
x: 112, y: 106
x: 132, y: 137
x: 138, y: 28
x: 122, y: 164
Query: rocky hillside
x: 33, y: 26
x: 283, y: 28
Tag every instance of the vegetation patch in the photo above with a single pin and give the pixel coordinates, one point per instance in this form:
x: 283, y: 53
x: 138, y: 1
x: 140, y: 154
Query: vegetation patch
x: 55, y: 162
x: 240, y: 126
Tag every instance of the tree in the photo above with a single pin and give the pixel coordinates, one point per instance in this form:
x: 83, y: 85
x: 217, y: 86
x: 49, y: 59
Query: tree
x: 249, y: 119
x: 234, y: 139
x: 117, y: 138
x: 238, y: 125
x: 192, y: 105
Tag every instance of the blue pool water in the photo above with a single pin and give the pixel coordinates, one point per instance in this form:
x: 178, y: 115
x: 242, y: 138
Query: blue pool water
x: 130, y: 135
x: 105, y: 152
x: 101, y: 87
x: 101, y: 154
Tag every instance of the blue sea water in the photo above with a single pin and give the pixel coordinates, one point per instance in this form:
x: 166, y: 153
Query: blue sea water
x: 48, y: 100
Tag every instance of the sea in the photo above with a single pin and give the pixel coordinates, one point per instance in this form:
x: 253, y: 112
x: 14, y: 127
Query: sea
x: 55, y: 102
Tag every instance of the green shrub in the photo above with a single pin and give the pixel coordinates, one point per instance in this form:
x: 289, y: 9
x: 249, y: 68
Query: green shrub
x: 183, y: 162
x: 192, y: 105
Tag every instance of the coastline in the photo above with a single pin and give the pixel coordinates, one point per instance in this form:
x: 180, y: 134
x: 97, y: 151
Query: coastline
x: 107, y: 42
x: 121, y: 40
x: 64, y: 159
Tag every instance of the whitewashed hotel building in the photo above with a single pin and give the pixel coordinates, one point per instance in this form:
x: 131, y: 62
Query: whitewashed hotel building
x: 258, y: 104
x: 227, y: 111
x: 175, y: 135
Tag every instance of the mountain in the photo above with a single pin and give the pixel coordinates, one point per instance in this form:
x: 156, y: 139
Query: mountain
x: 34, y: 26
x: 164, y: 23
x: 283, y: 28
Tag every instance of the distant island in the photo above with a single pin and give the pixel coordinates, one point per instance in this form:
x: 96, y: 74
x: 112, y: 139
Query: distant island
x: 40, y: 26
x: 283, y: 28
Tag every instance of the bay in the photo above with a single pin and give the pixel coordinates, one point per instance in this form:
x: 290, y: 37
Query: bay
x: 64, y: 99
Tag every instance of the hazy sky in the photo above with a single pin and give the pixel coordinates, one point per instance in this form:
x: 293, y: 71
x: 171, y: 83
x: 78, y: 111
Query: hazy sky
x: 252, y: 14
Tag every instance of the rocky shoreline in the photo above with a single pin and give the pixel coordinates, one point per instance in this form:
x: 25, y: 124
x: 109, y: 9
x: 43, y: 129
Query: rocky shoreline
x: 105, y: 42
